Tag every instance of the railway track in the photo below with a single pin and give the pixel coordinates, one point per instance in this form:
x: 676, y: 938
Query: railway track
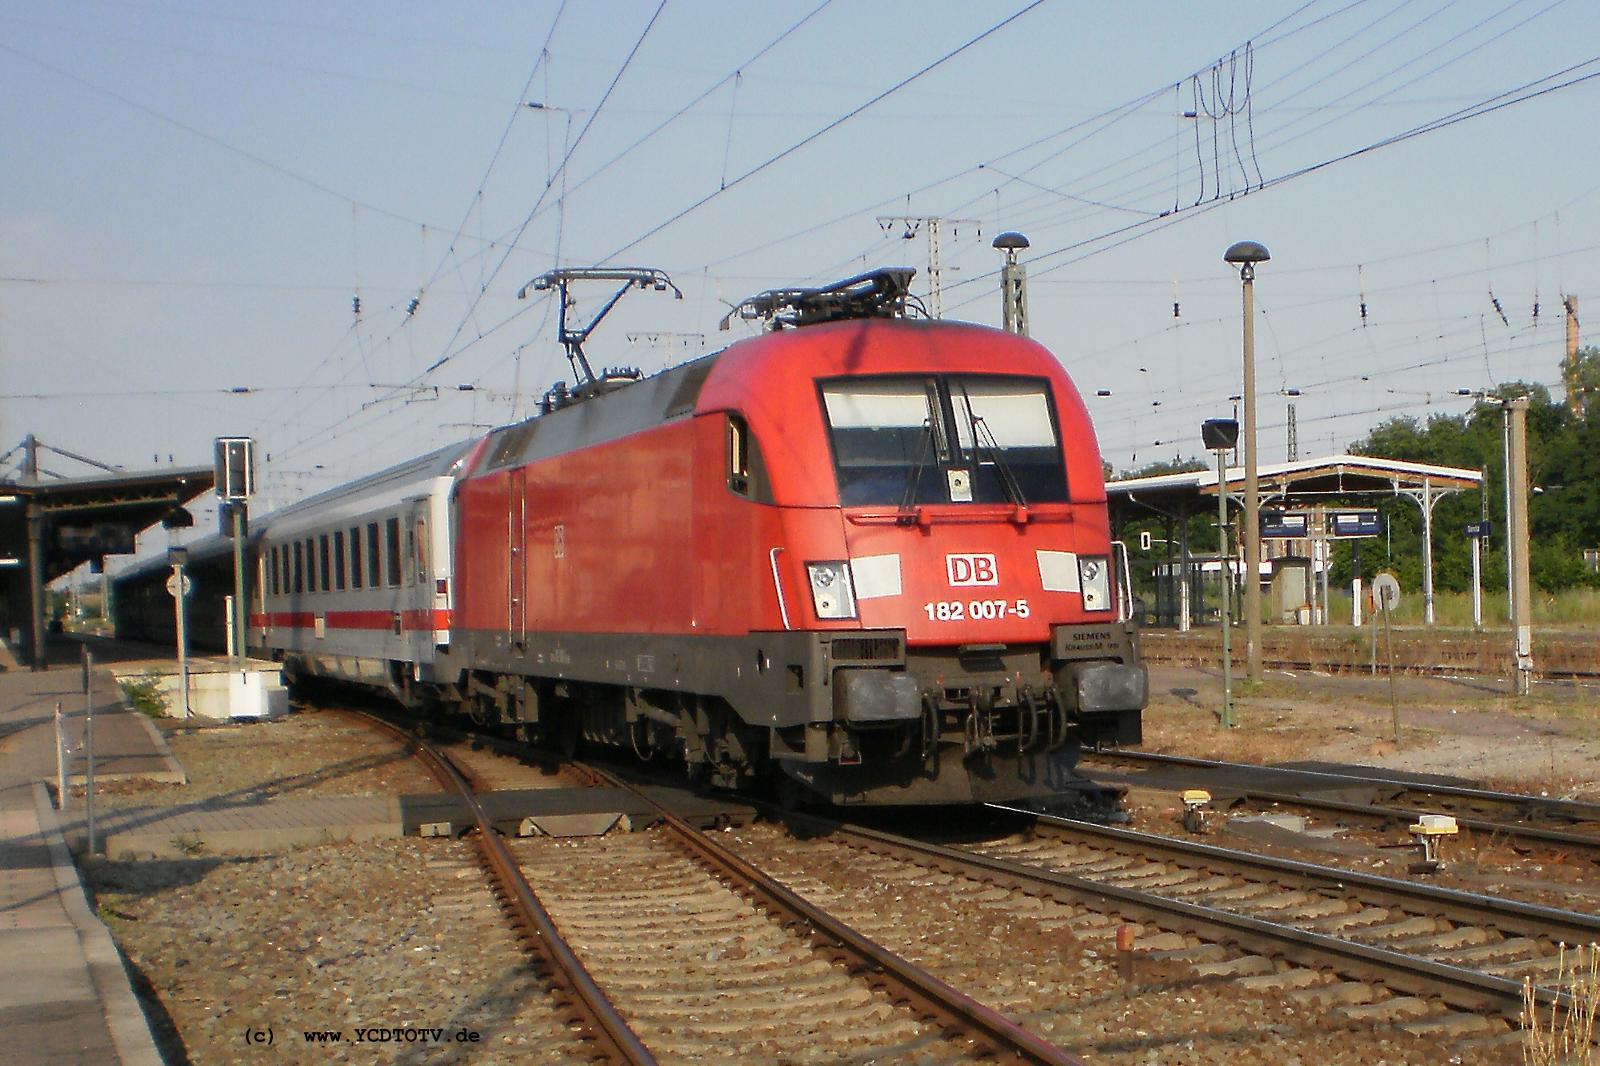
x: 667, y: 943
x: 1433, y: 962
x: 1569, y: 826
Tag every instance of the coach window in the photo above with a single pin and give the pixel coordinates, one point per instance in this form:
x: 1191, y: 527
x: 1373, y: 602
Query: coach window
x: 280, y: 571
x: 338, y: 560
x: 422, y: 551
x: 355, y: 557
x: 325, y: 559
x: 311, y: 564
x: 374, y: 569
x: 391, y: 537
x: 299, y: 571
x: 411, y: 555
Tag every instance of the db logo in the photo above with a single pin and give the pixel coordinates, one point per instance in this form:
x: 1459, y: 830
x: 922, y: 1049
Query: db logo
x: 971, y: 570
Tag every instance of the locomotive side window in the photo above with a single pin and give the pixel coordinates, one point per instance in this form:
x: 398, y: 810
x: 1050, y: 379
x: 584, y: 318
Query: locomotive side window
x: 374, y: 567
x: 392, y: 546
x: 355, y: 557
x: 747, y: 471
x: 338, y: 560
x: 946, y: 439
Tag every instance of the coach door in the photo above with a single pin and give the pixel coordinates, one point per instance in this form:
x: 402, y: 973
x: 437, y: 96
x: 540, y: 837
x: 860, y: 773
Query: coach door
x: 517, y: 554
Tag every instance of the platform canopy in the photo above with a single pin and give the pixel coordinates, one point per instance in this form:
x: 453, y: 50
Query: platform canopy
x: 1306, y: 482
x: 51, y: 526
x: 1333, y: 476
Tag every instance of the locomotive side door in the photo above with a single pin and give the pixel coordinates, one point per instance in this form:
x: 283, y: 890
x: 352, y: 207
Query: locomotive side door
x: 517, y: 554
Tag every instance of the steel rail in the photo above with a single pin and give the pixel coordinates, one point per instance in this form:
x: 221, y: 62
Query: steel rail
x: 1572, y: 927
x: 1458, y: 986
x: 952, y: 1007
x: 1554, y: 837
x: 611, y: 1032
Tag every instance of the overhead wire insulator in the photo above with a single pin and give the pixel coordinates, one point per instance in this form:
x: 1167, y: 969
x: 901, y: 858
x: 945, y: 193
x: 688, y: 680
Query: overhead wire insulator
x: 355, y: 305
x: 1498, y: 309
x: 1361, y: 286
x: 411, y: 308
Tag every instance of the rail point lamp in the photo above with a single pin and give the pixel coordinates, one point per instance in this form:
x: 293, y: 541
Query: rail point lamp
x: 1013, y: 283
x: 1245, y: 255
x: 1220, y: 435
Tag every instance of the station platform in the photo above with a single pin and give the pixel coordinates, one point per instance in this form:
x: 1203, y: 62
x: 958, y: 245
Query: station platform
x: 64, y: 995
x: 256, y: 827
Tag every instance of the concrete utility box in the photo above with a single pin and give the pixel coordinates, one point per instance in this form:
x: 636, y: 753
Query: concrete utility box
x: 257, y: 694
x: 1291, y: 589
x: 222, y: 696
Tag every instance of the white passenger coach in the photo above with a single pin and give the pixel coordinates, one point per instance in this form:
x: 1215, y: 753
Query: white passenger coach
x: 355, y: 583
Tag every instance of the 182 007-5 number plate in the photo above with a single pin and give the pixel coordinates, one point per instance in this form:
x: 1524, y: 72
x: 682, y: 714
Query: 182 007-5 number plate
x: 975, y: 610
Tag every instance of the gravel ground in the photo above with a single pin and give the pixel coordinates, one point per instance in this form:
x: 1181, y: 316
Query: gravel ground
x: 388, y: 935
x: 302, y: 754
x: 1054, y: 970
x: 1548, y: 743
x: 404, y: 933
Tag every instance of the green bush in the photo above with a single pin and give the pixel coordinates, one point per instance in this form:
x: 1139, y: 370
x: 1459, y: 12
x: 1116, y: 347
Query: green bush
x: 145, y: 693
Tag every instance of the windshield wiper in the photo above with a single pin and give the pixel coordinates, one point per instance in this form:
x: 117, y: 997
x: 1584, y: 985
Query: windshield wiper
x: 914, y: 482
x: 991, y: 447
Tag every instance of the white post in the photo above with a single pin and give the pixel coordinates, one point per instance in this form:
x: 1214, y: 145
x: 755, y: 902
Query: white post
x: 1355, y: 601
x: 181, y: 607
x: 227, y: 602
x: 1477, y: 590
x: 1183, y: 599
x: 61, y: 758
x: 1427, y: 551
x: 88, y: 743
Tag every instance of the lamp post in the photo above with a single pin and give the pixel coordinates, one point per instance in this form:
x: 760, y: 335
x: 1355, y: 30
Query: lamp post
x: 1013, y: 283
x: 1245, y: 255
x: 1220, y: 435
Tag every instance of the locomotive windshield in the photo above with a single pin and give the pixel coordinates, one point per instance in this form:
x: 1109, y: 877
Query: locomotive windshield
x: 902, y: 441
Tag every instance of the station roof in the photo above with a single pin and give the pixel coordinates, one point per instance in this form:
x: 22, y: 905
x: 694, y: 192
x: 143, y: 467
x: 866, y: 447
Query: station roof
x: 1332, y: 476
x: 88, y: 518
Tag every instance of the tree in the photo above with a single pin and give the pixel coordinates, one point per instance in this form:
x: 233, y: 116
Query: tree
x: 1564, y: 469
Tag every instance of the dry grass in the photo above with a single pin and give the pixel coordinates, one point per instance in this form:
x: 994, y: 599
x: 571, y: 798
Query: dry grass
x: 1565, y: 1038
x: 1417, y: 650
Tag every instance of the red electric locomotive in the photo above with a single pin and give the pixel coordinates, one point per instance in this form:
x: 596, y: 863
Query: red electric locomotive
x: 863, y: 554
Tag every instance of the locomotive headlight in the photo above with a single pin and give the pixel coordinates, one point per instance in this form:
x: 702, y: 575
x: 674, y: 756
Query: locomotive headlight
x: 831, y: 593
x: 1094, y: 573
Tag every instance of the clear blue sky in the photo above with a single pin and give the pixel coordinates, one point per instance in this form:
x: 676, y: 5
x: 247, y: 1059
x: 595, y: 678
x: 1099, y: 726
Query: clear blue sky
x: 194, y: 193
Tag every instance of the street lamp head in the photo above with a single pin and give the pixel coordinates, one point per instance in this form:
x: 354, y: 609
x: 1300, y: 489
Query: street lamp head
x: 1010, y: 241
x: 1246, y: 252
